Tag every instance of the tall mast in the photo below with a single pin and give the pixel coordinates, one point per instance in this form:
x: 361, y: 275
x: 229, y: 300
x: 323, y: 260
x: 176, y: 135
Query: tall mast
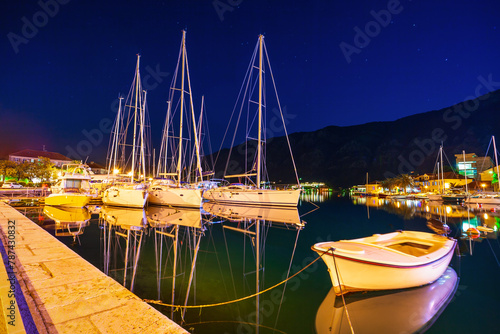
x: 496, y: 161
x: 442, y: 172
x: 114, y: 146
x: 137, y: 81
x: 179, y: 162
x: 259, y: 139
x: 142, y: 161
x: 465, y: 168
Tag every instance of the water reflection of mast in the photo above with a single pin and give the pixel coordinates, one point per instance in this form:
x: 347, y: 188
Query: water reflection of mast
x: 167, y: 223
x: 128, y: 224
x: 247, y: 217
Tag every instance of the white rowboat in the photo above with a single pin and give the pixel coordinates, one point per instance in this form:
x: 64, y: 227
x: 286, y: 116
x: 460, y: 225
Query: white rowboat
x: 397, y: 260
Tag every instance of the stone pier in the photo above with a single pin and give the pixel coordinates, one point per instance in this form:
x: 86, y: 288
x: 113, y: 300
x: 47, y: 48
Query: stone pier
x: 62, y: 292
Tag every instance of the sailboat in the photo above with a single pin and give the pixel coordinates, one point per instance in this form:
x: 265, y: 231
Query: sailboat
x: 129, y: 193
x: 440, y: 175
x: 174, y: 192
x: 254, y: 194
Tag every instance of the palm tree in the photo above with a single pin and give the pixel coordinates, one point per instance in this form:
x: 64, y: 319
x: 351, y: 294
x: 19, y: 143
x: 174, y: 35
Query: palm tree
x: 405, y: 181
x: 389, y: 183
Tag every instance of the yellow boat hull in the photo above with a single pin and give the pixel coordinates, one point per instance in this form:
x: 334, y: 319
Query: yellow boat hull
x: 68, y: 200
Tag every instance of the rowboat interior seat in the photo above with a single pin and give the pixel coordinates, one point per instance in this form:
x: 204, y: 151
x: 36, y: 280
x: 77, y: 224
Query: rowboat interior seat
x: 411, y: 248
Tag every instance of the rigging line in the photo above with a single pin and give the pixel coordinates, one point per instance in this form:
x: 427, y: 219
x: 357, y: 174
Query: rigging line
x: 158, y: 302
x: 229, y: 260
x: 287, y: 274
x: 236, y: 104
x: 281, y: 114
x: 496, y: 259
x: 340, y: 286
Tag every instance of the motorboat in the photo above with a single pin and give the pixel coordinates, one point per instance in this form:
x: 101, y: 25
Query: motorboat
x: 72, y: 188
x: 396, y: 260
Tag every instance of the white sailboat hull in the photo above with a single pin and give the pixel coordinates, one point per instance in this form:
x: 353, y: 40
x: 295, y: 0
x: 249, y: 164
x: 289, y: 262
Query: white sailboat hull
x: 184, y: 197
x: 483, y: 200
x: 125, y: 196
x: 434, y: 197
x: 396, y: 260
x: 247, y: 196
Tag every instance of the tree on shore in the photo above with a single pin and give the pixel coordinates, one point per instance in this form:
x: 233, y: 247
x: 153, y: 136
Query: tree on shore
x: 41, y: 169
x: 404, y: 181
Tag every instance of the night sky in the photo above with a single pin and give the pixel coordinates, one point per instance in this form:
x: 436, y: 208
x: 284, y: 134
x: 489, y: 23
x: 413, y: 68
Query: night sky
x: 63, y: 63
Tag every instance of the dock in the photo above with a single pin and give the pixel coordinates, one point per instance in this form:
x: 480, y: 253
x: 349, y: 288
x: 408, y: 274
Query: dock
x: 57, y: 291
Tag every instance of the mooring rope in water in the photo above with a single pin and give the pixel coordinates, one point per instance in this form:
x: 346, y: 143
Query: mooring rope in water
x: 159, y: 302
x: 232, y: 322
x: 310, y: 211
x: 340, y: 287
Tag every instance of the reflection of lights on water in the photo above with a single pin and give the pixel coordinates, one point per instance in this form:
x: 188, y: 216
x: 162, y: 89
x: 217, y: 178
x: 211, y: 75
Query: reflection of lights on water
x: 398, y: 204
x: 319, y: 196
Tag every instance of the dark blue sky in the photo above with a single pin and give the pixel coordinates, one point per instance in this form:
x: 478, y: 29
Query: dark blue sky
x: 64, y: 62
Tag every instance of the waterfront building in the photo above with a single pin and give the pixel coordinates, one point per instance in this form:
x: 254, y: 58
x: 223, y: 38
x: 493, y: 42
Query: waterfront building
x: 33, y: 155
x: 471, y: 164
x: 434, y: 182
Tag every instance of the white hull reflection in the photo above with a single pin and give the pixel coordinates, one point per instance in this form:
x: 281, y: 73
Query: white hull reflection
x: 402, y: 311
x: 126, y: 218
x: 166, y: 216
x: 241, y: 212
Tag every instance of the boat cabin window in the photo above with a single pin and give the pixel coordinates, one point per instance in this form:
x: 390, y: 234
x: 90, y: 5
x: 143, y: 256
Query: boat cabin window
x: 73, y: 183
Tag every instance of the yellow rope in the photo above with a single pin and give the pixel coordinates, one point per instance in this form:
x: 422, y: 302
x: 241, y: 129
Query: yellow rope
x: 158, y: 302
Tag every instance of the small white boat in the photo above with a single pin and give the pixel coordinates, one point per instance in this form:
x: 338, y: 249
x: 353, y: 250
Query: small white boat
x: 397, y: 260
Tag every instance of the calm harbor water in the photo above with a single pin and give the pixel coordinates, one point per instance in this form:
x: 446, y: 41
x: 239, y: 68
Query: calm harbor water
x: 182, y: 257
